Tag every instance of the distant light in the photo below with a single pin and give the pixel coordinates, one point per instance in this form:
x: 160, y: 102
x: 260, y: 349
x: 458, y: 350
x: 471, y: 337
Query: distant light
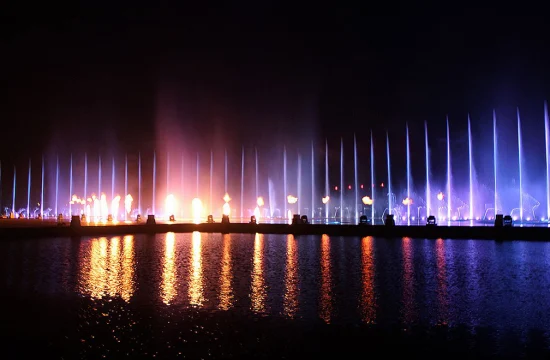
x: 382, y: 185
x: 403, y: 218
x: 423, y: 218
x: 515, y: 218
x: 361, y: 186
x: 349, y: 187
x: 454, y: 217
x: 528, y: 219
x: 412, y: 218
x: 336, y: 188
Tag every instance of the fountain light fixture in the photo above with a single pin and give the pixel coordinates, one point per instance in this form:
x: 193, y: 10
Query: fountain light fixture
x: 253, y: 220
x: 210, y: 219
x: 291, y: 199
x: 225, y: 219
x: 172, y: 218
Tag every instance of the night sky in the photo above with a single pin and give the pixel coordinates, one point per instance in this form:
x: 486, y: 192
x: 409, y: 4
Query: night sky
x: 131, y: 78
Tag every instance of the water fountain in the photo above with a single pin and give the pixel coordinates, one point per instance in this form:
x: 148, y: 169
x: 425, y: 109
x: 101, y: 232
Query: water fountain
x: 139, y: 183
x: 355, y: 177
x: 327, y: 185
x: 495, y: 157
x: 257, y: 182
x: 427, y: 154
x: 408, y: 174
x: 99, y: 176
x: 56, y: 185
x: 284, y: 182
x: 85, y: 176
x: 182, y: 187
x: 70, y: 184
x: 520, y: 160
x: 225, y: 172
x: 29, y: 191
x: 390, y: 205
x: 126, y: 175
x: 41, y: 189
x: 372, y: 180
x: 312, y: 181
x: 299, y: 183
x: 167, y: 173
x: 198, y: 173
x: 242, y: 183
x: 449, y: 195
x: 547, y: 147
x: 211, y: 209
x: 155, y: 181
x: 471, y: 168
x: 341, y: 179
x: 113, y: 178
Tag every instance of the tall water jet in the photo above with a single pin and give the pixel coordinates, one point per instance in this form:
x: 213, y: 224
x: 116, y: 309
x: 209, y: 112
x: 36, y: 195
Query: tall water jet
x: 341, y: 179
x: 113, y: 179
x: 449, y: 214
x: 139, y: 182
x: 312, y: 181
x: 495, y: 157
x: 13, y: 193
x: 257, y: 175
x: 56, y: 184
x: 356, y: 180
x: 29, y: 191
x: 242, y: 182
x: 167, y: 173
x: 471, y: 168
x: 211, y: 178
x: 427, y: 154
x: 198, y: 172
x: 182, y: 167
x: 284, y: 182
x: 299, y: 190
x: 42, y: 190
x: 390, y: 203
x: 327, y: 185
x: 372, y: 178
x: 547, y: 143
x: 70, y: 185
x: 99, y: 176
x: 1, y: 210
x: 154, y: 181
x: 126, y: 176
x: 520, y: 160
x: 408, y: 145
x: 86, y: 177
x: 225, y: 171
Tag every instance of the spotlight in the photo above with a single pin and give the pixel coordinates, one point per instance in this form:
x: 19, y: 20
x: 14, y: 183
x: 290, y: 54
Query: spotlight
x: 390, y: 221
x: 109, y: 218
x: 172, y: 218
x: 75, y: 221
x: 431, y: 221
x: 225, y: 219
x: 363, y: 220
x: 499, y: 220
x: 138, y: 218
x: 151, y: 220
x: 210, y: 219
x: 296, y: 219
x: 253, y: 220
x: 304, y: 220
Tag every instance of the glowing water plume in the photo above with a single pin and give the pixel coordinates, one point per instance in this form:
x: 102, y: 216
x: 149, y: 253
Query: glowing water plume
x: 85, y: 175
x: 242, y: 182
x: 70, y: 184
x: 290, y: 300
x: 471, y: 168
x: 289, y: 216
x: 257, y: 213
x: 495, y: 156
x: 154, y: 181
x: 139, y: 183
x: 128, y: 204
x: 196, y: 285
x: 312, y: 181
x: 291, y: 199
x: 115, y: 204
x: 29, y: 191
x: 408, y: 174
x: 113, y: 178
x: 41, y: 188
x: 372, y: 175
x: 226, y: 209
x: 390, y: 205
x: 196, y: 210
x: 520, y: 160
x: 169, y: 288
x: 226, y: 276
x: 448, y: 172
x: 56, y: 185
x: 355, y: 174
x: 427, y: 153
x: 258, y: 293
x: 368, y: 298
x: 547, y: 143
x: 284, y: 178
x: 170, y: 205
x: 211, y: 180
x: 104, y: 208
x: 341, y: 179
x: 325, y: 199
x: 257, y: 178
x: 325, y: 291
x: 299, y: 190
x: 327, y: 185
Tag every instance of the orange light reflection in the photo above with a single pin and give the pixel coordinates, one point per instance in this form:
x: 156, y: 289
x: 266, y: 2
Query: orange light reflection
x: 169, y: 272
x: 196, y: 286
x: 290, y: 302
x: 368, y: 299
x: 226, y: 290
x: 325, y: 306
x: 408, y: 280
x: 442, y: 298
x: 258, y: 290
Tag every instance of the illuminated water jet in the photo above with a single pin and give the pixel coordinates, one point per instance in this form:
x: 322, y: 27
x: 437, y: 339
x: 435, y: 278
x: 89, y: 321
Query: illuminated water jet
x: 471, y: 168
x: 341, y: 179
x: 390, y: 205
x: 427, y: 154
x: 448, y: 172
x: 408, y: 173
x: 327, y: 185
x: 372, y: 178
x: 520, y: 160
x: 355, y: 179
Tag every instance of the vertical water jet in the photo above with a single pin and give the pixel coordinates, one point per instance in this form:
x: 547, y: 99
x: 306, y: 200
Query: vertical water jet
x: 471, y: 168
x: 257, y: 174
x: 211, y: 179
x: 181, y: 183
x: 372, y: 186
x: 126, y: 175
x: 29, y: 191
x: 112, y: 179
x: 495, y: 157
x: 427, y: 154
x: 355, y: 177
x: 341, y: 179
x: 547, y: 144
x: 390, y: 204
x: 42, y: 190
x: 167, y: 174
x: 284, y: 183
x: 139, y: 182
x: 56, y: 184
x: 13, y: 192
x: 312, y: 181
x: 242, y: 183
x: 70, y: 185
x: 225, y: 171
x: 99, y: 177
x: 449, y: 195
x: 86, y: 177
x: 198, y: 172
x: 154, y: 182
x: 299, y: 189
x: 327, y: 185
x: 520, y: 160
x: 408, y: 145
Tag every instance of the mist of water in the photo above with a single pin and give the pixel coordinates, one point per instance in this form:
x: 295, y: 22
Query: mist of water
x: 495, y: 157
x: 211, y: 179
x: 154, y: 181
x: 284, y: 182
x: 70, y: 185
x: 198, y: 173
x: 56, y: 185
x: 327, y: 185
x: 13, y: 195
x: 299, y: 183
x: 257, y: 173
x: 167, y: 173
x: 312, y: 181
x: 125, y: 175
x: 42, y: 190
x: 225, y: 172
x: 547, y: 143
x: 99, y: 177
x: 242, y: 183
x: 139, y: 183
x: 113, y: 172
x: 85, y: 176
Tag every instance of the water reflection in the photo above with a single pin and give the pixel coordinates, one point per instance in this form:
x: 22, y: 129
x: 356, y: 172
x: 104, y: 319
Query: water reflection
x: 368, y: 299
x: 226, y: 289
x: 408, y: 280
x: 196, y: 286
x: 290, y: 303
x: 106, y: 269
x: 325, y: 303
x: 169, y: 272
x: 442, y: 297
x: 258, y: 293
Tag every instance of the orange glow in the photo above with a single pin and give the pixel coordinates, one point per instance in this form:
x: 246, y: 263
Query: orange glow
x: 440, y: 196
x: 290, y: 301
x: 408, y: 280
x: 368, y: 298
x: 442, y: 296
x: 114, y: 207
x: 258, y: 290
x: 366, y: 200
x: 226, y: 290
x: 196, y: 208
x: 291, y: 199
x: 260, y: 201
x: 114, y: 266
x: 170, y: 205
x: 325, y: 305
x: 196, y: 285
x: 169, y: 270
x: 226, y: 198
x: 128, y: 199
x: 325, y: 199
x: 127, y: 281
x: 407, y: 201
x: 226, y: 209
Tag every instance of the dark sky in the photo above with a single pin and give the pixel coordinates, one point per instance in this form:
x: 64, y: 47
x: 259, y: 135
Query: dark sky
x: 83, y: 76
